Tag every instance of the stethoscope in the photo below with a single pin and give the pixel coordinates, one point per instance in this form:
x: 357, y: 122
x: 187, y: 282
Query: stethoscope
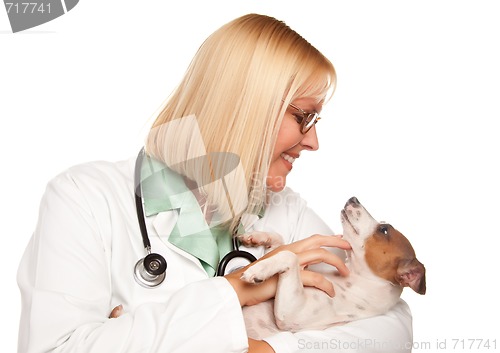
x: 150, y: 271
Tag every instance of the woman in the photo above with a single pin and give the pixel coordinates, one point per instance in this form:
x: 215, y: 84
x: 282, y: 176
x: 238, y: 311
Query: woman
x: 222, y: 147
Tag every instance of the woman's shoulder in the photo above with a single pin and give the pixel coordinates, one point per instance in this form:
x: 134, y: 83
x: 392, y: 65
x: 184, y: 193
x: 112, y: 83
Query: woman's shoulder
x: 287, y: 198
x: 103, y: 169
x: 100, y: 176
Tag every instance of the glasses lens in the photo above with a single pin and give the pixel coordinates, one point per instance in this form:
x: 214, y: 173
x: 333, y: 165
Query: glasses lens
x: 309, y: 122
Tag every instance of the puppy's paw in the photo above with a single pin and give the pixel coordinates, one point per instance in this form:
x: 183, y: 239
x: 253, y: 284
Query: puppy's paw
x: 259, y: 272
x: 250, y: 278
x: 264, y: 269
x: 266, y: 239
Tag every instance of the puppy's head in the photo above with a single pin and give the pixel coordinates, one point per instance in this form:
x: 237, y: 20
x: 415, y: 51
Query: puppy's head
x: 387, y: 252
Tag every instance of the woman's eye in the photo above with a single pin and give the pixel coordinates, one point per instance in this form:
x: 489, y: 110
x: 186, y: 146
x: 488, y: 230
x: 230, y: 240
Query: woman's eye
x: 298, y: 118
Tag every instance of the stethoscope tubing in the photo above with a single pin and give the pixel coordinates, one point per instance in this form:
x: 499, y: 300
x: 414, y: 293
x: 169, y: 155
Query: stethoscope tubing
x: 147, y: 279
x: 138, y: 201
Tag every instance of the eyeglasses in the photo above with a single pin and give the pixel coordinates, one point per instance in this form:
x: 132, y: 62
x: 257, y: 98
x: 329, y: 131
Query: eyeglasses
x: 305, y: 119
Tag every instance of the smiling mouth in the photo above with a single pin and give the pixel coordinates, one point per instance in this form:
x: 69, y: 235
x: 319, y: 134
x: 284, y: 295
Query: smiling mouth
x: 287, y: 158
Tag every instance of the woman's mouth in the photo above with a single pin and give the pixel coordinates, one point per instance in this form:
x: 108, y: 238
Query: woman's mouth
x: 288, y: 160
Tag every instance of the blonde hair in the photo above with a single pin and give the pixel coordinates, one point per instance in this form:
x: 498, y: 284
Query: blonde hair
x: 238, y: 86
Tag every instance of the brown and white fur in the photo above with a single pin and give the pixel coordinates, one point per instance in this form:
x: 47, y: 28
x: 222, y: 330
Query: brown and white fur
x: 381, y: 262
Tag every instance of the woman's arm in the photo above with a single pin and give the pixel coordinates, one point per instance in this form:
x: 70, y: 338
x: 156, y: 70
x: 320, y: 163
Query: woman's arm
x: 67, y: 292
x: 256, y: 346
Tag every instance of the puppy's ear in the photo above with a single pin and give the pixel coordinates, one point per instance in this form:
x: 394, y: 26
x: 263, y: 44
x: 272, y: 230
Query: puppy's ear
x: 411, y: 273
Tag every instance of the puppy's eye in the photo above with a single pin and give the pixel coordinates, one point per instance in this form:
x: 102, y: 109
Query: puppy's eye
x: 384, y: 229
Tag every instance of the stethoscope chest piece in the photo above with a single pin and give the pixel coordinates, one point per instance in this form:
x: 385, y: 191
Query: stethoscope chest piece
x: 149, y: 272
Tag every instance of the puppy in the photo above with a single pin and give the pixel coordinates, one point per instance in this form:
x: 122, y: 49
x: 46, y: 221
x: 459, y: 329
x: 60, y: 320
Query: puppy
x: 381, y: 262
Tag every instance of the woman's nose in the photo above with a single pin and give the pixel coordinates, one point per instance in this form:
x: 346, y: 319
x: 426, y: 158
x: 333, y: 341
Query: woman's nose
x: 310, y: 140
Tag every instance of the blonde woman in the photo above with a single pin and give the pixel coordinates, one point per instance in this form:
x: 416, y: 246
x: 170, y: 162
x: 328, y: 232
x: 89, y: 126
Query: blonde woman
x: 215, y: 165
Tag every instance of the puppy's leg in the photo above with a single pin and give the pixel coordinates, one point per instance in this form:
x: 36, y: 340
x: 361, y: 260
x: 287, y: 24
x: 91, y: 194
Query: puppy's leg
x: 264, y: 269
x: 295, y: 307
x: 290, y: 296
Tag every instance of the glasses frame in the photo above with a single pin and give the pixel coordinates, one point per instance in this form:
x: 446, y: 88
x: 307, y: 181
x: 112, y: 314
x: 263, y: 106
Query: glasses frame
x: 307, y: 120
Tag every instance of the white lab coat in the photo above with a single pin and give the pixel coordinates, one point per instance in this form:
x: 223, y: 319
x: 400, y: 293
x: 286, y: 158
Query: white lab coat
x: 79, y: 265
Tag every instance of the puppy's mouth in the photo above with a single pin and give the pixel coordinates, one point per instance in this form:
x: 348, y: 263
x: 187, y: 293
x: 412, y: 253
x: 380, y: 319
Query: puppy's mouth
x: 344, y: 218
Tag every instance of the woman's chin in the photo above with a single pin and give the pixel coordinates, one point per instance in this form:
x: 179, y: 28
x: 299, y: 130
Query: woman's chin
x: 276, y: 184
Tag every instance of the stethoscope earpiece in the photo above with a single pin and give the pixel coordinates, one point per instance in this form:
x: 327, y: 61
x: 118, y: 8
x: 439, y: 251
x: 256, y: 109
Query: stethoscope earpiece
x: 149, y: 272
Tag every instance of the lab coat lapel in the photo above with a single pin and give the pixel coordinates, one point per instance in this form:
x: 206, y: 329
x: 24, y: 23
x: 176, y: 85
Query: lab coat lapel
x: 202, y: 251
x: 185, y: 228
x: 165, y: 190
x: 164, y: 222
x: 192, y: 234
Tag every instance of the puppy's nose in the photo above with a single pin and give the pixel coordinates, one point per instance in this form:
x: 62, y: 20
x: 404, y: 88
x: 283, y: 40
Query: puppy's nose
x: 353, y: 201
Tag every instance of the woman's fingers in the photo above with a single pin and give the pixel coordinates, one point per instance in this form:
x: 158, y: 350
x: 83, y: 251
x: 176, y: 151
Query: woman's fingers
x: 316, y: 256
x: 116, y: 312
x: 314, y: 279
x: 317, y: 241
x: 314, y: 242
x: 310, y: 251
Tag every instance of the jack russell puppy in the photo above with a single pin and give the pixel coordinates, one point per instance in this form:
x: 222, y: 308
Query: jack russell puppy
x: 381, y: 262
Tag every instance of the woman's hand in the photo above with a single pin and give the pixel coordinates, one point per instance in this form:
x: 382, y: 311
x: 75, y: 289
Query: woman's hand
x: 309, y: 251
x: 255, y: 346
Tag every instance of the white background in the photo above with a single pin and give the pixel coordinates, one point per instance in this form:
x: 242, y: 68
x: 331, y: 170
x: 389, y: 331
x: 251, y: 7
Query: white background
x: 411, y: 130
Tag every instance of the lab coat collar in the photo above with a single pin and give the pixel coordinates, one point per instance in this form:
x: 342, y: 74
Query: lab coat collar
x: 164, y: 190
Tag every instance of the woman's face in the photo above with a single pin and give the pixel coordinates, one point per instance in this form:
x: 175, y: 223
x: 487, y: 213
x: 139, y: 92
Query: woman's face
x: 290, y: 143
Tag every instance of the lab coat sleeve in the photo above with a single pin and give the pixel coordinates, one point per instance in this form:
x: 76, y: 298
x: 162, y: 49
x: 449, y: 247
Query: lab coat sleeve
x: 66, y: 294
x: 388, y: 333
